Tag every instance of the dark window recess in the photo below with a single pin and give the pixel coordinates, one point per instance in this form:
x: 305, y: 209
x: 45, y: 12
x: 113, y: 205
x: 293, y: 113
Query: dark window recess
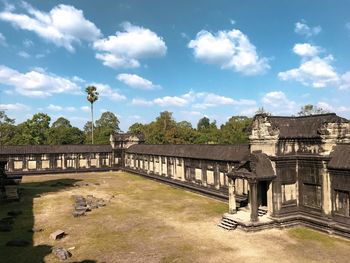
x: 341, y: 205
x: 312, y: 195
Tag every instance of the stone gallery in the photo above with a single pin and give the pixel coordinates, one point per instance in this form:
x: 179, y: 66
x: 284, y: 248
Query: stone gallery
x: 294, y: 171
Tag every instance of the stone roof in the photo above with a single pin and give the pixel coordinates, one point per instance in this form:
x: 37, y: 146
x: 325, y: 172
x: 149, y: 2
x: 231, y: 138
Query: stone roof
x: 340, y: 157
x: 46, y: 149
x: 303, y: 126
x: 217, y: 152
x: 254, y: 166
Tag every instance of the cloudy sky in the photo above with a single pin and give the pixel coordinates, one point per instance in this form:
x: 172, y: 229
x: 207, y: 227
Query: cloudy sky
x: 193, y: 58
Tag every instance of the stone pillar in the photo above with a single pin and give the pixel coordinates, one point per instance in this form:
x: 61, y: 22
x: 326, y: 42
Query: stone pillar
x: 160, y: 166
x: 327, y: 191
x: 232, y: 196
x: 203, y: 165
x: 63, y: 161
x: 183, y: 169
x: 217, y: 176
x: 253, y: 199
x: 98, y: 160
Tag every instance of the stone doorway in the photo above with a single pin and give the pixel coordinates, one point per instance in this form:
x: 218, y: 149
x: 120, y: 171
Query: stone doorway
x: 263, y: 187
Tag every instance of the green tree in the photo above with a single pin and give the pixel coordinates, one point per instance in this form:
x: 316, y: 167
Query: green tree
x: 92, y: 96
x: 7, y: 129
x: 33, y: 131
x: 105, y: 126
x: 310, y: 109
x: 203, y: 124
x: 136, y: 128
x: 208, y: 132
x: 235, y: 130
x: 62, y: 132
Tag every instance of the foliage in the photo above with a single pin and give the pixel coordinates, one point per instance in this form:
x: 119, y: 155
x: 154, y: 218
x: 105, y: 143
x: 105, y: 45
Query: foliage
x: 310, y: 109
x: 165, y: 130
x: 105, y: 126
x: 235, y: 130
x: 32, y: 131
x: 7, y: 128
x: 62, y: 132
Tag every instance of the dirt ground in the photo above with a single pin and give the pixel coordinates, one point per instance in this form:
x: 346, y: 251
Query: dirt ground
x: 146, y: 221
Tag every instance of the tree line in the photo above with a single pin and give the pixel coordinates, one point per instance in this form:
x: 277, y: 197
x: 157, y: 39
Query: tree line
x: 166, y: 130
x: 163, y: 130
x: 39, y: 130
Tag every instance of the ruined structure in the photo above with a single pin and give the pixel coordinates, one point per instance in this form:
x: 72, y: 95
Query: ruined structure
x: 8, y: 186
x: 295, y: 170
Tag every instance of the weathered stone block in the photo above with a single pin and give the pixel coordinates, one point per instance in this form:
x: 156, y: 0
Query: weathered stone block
x: 58, y: 234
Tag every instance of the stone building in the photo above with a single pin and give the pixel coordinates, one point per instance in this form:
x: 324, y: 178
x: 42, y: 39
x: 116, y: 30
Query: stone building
x: 295, y: 170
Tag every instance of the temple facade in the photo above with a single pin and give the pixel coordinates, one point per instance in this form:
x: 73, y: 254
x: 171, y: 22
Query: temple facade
x: 293, y: 171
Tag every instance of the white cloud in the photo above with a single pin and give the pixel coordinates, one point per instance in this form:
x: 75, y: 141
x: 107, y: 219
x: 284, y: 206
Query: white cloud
x: 105, y: 90
x: 316, y: 72
x: 278, y: 103
x: 28, y: 43
x: 85, y: 108
x: 170, y: 101
x: 14, y: 107
x: 137, y: 82
x: 2, y: 40
x: 53, y: 107
x: 198, y: 100
x: 141, y: 102
x: 345, y: 81
x: 232, y: 21
x: 302, y: 28
x: 306, y: 50
x: 64, y: 25
x: 229, y: 50
x: 36, y: 83
x: 207, y: 100
x: 125, y: 49
x: 23, y: 54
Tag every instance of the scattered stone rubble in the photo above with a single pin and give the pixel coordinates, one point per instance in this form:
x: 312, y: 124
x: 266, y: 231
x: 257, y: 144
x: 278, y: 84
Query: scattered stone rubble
x: 61, y: 253
x: 83, y: 205
x: 58, y: 234
x: 83, y: 183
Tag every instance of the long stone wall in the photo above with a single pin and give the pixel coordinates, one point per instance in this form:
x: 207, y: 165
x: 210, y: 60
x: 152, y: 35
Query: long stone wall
x: 23, y: 160
x: 203, y: 175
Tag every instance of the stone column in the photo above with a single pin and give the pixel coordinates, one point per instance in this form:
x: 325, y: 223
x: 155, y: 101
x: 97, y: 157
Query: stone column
x: 160, y: 166
x: 98, y: 160
x: 217, y: 176
x: 232, y: 196
x: 63, y: 161
x: 253, y: 199
x: 203, y: 165
x: 327, y: 190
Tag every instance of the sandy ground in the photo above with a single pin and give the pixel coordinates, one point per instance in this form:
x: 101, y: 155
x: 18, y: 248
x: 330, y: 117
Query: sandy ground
x: 146, y: 221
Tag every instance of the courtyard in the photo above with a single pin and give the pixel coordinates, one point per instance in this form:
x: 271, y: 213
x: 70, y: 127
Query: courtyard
x: 146, y: 221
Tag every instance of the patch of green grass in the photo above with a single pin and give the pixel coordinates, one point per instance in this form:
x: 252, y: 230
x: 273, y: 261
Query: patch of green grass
x: 307, y: 234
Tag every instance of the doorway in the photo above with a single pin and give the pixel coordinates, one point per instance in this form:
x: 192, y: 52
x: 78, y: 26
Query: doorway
x: 263, y: 186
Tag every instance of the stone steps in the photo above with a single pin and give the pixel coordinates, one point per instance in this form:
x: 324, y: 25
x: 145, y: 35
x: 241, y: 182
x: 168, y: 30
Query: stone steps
x: 227, y: 223
x: 262, y: 212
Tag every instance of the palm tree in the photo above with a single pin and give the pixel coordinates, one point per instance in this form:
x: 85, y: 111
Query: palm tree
x: 92, y: 96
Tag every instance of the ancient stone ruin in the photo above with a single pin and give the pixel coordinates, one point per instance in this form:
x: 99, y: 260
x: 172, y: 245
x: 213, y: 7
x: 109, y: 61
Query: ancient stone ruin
x: 294, y: 170
x: 8, y: 186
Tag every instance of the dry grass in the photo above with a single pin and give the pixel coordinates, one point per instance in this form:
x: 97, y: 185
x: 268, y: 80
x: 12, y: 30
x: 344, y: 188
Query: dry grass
x: 146, y: 221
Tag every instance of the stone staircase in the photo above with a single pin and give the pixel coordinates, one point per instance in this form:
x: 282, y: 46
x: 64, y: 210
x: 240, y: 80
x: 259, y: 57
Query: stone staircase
x: 262, y: 211
x: 227, y: 223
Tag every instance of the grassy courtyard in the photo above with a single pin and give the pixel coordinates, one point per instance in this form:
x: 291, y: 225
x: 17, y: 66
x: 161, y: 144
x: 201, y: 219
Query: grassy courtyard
x: 146, y: 221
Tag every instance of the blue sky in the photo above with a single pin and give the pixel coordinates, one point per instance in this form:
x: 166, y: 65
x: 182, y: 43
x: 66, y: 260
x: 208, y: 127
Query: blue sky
x: 193, y: 58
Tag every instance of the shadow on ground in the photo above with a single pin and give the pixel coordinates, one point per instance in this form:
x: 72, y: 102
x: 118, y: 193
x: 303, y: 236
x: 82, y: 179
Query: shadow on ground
x: 23, y: 224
